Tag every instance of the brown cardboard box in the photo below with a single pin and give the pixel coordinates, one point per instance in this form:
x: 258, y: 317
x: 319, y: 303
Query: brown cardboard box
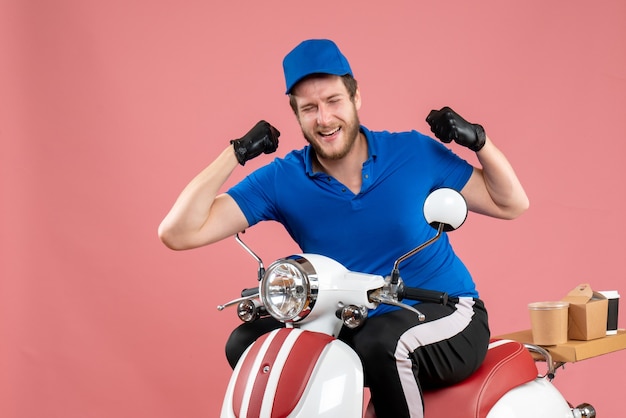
x: 588, y: 312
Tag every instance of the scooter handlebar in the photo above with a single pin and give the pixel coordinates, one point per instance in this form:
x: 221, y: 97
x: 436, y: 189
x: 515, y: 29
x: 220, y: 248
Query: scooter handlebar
x: 424, y: 295
x: 249, y: 292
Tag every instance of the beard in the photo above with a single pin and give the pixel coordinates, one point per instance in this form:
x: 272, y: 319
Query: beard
x: 350, y: 132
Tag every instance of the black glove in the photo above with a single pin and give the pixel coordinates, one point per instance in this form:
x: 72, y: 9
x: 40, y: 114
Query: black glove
x: 447, y: 125
x: 263, y: 137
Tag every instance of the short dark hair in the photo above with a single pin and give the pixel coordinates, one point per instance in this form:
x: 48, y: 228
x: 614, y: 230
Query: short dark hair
x: 348, y: 81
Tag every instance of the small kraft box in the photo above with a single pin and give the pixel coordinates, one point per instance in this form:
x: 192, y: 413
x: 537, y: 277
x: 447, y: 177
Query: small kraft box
x: 587, y: 315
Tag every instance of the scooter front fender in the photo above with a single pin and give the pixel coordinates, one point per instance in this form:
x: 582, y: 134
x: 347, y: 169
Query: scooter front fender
x: 295, y: 373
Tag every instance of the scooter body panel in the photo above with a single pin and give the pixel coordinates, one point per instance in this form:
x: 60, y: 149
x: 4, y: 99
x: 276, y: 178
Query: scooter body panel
x: 538, y: 399
x: 295, y: 373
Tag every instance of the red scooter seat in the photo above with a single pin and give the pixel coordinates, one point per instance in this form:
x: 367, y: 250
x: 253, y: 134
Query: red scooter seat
x: 507, y: 365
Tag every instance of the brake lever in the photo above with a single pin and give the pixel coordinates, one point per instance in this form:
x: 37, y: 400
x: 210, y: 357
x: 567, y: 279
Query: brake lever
x: 235, y: 301
x: 380, y: 297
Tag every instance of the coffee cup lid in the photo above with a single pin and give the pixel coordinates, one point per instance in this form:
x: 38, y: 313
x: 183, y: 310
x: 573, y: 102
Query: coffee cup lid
x: 545, y: 306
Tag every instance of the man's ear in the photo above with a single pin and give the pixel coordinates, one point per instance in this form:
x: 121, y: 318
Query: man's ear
x: 357, y: 99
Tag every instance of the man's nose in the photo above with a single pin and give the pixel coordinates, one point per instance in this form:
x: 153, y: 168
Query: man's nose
x: 323, y: 115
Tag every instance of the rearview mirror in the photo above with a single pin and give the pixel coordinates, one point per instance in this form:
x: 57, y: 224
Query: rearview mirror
x: 445, y: 206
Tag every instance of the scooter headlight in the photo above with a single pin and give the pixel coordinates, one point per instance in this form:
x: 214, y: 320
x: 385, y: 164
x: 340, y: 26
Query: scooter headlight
x: 289, y: 288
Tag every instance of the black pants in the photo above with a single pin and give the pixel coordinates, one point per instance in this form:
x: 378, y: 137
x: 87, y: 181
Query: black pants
x: 402, y: 356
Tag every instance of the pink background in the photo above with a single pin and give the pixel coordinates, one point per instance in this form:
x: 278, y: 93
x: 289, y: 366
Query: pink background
x: 107, y: 109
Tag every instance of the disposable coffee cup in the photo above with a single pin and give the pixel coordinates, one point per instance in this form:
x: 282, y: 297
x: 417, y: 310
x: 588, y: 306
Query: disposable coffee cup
x: 611, y: 319
x: 548, y: 322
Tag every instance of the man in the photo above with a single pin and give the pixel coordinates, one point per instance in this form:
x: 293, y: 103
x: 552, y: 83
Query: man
x: 355, y: 195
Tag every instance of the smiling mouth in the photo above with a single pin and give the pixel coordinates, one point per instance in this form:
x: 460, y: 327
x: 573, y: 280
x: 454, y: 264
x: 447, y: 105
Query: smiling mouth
x: 327, y: 134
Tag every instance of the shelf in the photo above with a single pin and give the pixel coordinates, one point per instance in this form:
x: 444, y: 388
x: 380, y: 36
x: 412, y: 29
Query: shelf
x: 573, y: 351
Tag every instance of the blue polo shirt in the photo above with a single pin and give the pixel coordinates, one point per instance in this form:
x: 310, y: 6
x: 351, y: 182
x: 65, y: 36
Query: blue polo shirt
x: 368, y: 231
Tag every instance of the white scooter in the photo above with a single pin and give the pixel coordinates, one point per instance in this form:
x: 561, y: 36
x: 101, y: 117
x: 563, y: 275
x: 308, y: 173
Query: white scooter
x: 303, y: 371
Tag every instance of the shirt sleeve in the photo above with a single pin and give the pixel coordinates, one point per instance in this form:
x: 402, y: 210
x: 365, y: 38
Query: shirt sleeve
x: 255, y: 195
x: 452, y: 170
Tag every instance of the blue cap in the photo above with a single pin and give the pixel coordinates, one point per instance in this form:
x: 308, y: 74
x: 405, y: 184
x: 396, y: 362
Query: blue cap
x: 314, y: 56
